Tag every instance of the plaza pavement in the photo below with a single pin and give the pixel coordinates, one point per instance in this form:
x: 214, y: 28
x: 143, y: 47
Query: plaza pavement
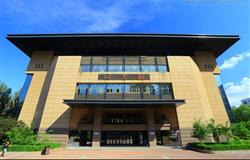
x: 126, y: 153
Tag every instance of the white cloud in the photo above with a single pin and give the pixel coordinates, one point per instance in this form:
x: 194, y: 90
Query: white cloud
x: 77, y: 15
x: 229, y: 63
x: 237, y: 92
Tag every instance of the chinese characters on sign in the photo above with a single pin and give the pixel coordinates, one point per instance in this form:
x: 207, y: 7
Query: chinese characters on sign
x: 123, y: 77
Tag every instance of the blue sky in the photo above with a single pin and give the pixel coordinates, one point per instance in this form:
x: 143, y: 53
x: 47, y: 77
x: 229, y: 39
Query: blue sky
x: 140, y: 16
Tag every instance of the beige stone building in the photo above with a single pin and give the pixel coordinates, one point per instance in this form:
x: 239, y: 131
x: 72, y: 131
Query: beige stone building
x: 121, y: 89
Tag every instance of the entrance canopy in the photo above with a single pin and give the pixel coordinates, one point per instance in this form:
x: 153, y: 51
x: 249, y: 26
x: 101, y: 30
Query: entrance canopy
x: 128, y: 103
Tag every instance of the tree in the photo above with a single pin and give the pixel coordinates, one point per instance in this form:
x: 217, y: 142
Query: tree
x: 200, y: 130
x: 10, y: 105
x: 15, y: 106
x: 5, y: 98
x: 226, y: 131
x: 242, y: 113
x: 214, y: 129
x: 21, y: 134
x: 241, y: 130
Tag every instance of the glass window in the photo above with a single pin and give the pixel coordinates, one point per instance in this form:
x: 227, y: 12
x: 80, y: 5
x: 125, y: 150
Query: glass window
x: 162, y: 68
x: 132, y: 68
x: 165, y: 89
x: 25, y: 87
x: 115, y: 68
x: 99, y: 68
x: 85, y: 68
x: 148, y: 68
x: 115, y: 88
x: 96, y: 89
x: 152, y: 89
x: 132, y: 88
x: 82, y: 89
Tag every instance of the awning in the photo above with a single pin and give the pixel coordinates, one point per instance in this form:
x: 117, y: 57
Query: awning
x: 128, y: 102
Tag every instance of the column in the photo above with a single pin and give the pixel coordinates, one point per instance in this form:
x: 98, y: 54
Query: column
x: 151, y: 126
x: 97, y: 127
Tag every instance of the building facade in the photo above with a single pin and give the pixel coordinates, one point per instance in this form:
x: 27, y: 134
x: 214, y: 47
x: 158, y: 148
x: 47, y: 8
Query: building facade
x: 121, y: 89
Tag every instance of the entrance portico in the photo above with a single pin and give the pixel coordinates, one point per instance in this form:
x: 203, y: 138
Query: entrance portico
x: 123, y: 124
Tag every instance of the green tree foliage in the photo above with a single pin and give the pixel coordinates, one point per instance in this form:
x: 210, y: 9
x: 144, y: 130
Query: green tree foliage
x: 200, y: 130
x: 10, y: 105
x: 5, y: 125
x: 241, y: 130
x: 242, y: 113
x: 219, y: 130
x: 21, y: 134
x: 15, y: 107
x: 5, y: 98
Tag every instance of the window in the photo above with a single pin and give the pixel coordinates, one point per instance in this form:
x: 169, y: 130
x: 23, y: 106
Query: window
x: 127, y: 64
x: 132, y: 68
x: 115, y: 88
x: 162, y: 68
x: 148, y: 68
x: 99, y: 68
x: 165, y: 89
x: 115, y: 68
x: 85, y: 68
x: 96, y: 89
x: 152, y: 89
x: 25, y: 87
x: 82, y: 89
x: 132, y: 88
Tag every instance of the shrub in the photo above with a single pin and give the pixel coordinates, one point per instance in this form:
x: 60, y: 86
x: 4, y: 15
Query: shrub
x: 34, y: 147
x: 241, y: 130
x: 219, y: 130
x: 200, y: 130
x: 21, y: 134
x: 242, y: 145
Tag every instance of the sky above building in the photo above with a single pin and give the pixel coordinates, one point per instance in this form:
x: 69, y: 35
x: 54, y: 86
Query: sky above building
x: 131, y: 16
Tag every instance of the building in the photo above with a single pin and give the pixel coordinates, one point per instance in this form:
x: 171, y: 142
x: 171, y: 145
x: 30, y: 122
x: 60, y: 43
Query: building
x: 245, y: 101
x: 226, y: 103
x: 224, y: 98
x: 121, y: 89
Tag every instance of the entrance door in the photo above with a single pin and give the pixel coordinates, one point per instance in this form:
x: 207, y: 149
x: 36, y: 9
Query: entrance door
x: 124, y: 138
x: 85, y: 138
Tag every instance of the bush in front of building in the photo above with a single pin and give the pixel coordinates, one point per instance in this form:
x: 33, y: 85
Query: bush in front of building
x: 241, y: 130
x: 33, y: 147
x: 219, y: 131
x: 226, y: 137
x: 233, y: 145
x: 200, y: 130
x: 23, y: 138
x: 21, y: 134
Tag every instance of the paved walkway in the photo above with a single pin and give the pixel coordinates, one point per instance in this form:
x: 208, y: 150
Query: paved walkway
x: 125, y: 153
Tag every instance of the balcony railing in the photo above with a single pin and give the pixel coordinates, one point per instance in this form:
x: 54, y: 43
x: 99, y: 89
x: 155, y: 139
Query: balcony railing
x: 124, y: 96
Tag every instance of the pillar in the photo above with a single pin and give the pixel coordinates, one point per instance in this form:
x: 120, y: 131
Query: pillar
x: 97, y: 127
x: 151, y: 127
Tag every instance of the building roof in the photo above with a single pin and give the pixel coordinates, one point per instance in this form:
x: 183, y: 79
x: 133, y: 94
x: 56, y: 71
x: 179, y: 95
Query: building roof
x: 115, y: 44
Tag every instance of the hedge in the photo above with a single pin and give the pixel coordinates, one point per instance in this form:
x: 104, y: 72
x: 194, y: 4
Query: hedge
x: 221, y: 146
x: 33, y: 147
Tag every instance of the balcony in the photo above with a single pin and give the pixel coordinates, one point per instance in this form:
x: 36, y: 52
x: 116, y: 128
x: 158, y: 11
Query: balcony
x: 124, y: 94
